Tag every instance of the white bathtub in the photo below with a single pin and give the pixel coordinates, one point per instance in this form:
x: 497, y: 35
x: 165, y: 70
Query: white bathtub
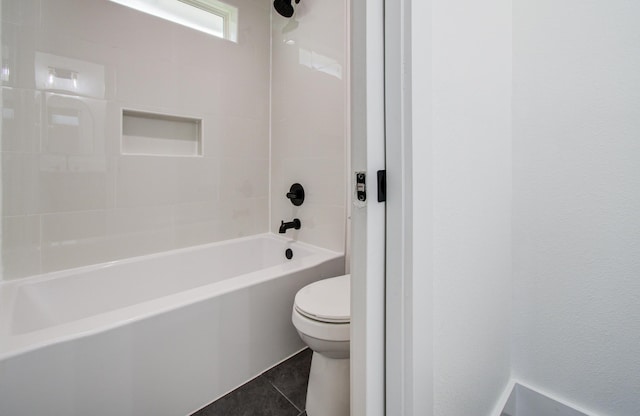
x: 156, y: 335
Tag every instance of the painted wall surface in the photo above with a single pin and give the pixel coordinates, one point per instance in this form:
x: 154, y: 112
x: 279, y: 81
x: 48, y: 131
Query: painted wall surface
x: 70, y: 198
x: 309, y: 102
x: 577, y: 201
x: 471, y: 159
x: 421, y: 397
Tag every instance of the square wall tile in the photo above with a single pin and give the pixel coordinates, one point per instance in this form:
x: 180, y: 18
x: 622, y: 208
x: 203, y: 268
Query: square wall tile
x: 198, y: 223
x: 325, y: 226
x: 244, y: 217
x: 20, y: 246
x: 145, y: 181
x: 243, y: 138
x: 20, y: 184
x: 244, y: 178
x: 72, y: 228
x: 123, y: 222
x: 79, y: 183
x: 146, y: 83
x: 197, y: 179
x: 21, y: 12
x: 20, y: 120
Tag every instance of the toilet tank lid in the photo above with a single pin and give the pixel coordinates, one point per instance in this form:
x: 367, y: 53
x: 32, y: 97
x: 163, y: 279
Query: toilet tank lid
x: 327, y: 300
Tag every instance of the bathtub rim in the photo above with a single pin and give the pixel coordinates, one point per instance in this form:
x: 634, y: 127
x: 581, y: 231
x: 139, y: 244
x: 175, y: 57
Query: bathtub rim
x: 41, y: 277
x: 14, y: 345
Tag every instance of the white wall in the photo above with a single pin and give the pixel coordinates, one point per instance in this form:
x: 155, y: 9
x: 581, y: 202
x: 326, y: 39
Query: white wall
x: 572, y: 191
x: 309, y: 105
x: 577, y: 201
x: 70, y: 197
x: 421, y: 398
x: 462, y: 173
x: 472, y: 197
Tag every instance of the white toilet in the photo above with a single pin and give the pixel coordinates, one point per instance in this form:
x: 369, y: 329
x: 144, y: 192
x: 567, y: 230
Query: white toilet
x: 322, y: 316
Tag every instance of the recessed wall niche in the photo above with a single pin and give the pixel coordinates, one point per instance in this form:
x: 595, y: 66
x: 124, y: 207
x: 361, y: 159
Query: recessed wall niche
x: 146, y: 133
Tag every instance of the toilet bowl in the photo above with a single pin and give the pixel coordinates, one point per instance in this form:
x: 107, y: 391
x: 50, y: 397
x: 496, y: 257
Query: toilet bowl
x: 322, y: 316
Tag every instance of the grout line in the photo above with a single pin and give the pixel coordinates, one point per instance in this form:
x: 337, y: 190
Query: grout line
x: 285, y: 396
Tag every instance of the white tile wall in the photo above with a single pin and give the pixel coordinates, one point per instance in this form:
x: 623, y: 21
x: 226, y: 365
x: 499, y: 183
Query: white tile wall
x: 309, y: 120
x: 69, y: 197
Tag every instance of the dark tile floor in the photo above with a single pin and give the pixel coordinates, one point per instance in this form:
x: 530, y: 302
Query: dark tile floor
x: 281, y: 391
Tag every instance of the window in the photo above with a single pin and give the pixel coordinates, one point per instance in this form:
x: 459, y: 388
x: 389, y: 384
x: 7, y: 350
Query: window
x: 209, y: 16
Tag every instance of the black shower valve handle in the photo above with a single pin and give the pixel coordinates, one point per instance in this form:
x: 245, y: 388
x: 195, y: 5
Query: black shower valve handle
x: 296, y: 194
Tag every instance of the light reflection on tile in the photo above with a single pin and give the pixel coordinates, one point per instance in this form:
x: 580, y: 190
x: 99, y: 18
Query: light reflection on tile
x: 67, y: 75
x: 73, y: 125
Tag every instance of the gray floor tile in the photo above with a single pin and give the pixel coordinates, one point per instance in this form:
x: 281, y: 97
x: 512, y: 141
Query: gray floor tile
x: 256, y: 398
x: 291, y: 377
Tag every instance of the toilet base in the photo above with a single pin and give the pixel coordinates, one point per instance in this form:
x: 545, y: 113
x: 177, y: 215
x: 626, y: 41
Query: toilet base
x: 328, y: 390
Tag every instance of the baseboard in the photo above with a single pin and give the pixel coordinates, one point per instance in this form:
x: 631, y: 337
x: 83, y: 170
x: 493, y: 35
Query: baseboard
x: 524, y: 400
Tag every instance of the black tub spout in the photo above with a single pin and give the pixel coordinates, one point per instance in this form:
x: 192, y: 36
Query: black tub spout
x: 284, y: 226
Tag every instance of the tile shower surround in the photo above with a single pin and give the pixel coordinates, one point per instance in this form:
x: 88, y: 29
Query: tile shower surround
x: 309, y: 123
x: 70, y: 198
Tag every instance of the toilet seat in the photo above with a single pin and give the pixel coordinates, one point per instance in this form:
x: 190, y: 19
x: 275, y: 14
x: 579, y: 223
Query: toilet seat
x: 326, y: 301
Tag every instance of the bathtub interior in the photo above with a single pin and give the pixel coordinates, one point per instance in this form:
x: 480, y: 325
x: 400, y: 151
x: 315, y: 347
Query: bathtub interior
x: 60, y: 304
